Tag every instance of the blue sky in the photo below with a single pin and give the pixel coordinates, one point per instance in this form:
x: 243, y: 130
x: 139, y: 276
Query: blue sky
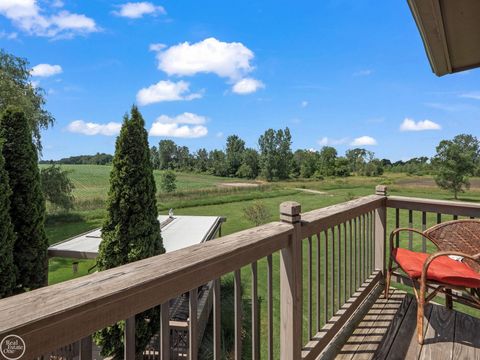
x: 336, y: 72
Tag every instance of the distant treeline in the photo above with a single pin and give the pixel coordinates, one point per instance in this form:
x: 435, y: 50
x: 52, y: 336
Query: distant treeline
x: 272, y: 160
x: 97, y: 159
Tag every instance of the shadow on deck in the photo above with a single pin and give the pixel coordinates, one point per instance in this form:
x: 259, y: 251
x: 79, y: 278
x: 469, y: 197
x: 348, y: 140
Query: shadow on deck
x: 388, y: 331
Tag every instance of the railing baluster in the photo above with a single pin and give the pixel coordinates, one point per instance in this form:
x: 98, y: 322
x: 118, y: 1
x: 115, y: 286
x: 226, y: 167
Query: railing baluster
x: 165, y: 331
x: 86, y: 348
x: 238, y: 314
x: 351, y: 274
x: 310, y: 296
x: 318, y: 311
x: 439, y: 218
x: 325, y: 276
x: 332, y: 275
x: 270, y: 306
x: 455, y: 217
x: 339, y: 267
x: 364, y: 248
x: 255, y: 318
x: 217, y: 352
x: 372, y: 241
x: 193, y: 325
x: 368, y: 245
x: 345, y: 297
x: 424, y: 227
x: 410, y: 225
x: 397, y: 225
x: 357, y: 254
x: 129, y: 338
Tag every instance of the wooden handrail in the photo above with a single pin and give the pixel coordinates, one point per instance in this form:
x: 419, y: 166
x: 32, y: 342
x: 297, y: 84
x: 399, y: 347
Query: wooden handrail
x: 51, y: 317
x: 459, y: 208
x: 60, y: 314
x: 316, y: 221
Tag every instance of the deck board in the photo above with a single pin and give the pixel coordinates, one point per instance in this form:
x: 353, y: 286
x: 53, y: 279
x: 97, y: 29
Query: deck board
x: 467, y: 340
x: 388, y: 331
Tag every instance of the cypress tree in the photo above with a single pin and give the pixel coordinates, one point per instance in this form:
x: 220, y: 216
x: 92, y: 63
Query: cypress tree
x: 27, y: 204
x: 131, y: 231
x: 7, y: 236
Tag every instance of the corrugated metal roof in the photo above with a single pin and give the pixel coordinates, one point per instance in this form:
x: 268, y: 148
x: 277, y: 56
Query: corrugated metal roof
x: 177, y: 233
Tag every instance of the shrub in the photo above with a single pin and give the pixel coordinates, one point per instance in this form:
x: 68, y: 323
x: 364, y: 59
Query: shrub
x: 168, y: 181
x: 257, y: 213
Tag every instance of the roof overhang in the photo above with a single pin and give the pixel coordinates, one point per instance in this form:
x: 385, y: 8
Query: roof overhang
x: 450, y: 30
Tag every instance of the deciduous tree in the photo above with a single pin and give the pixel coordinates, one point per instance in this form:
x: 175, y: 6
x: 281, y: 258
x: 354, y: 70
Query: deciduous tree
x: 455, y: 161
x: 16, y: 89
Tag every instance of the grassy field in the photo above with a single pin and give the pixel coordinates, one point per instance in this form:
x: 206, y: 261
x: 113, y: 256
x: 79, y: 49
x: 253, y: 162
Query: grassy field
x: 205, y: 195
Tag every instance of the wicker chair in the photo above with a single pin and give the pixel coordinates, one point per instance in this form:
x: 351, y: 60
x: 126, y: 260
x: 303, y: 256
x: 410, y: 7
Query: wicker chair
x: 456, y: 278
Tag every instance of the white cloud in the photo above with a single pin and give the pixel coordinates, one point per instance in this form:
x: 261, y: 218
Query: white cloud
x: 136, y: 10
x: 475, y: 95
x: 423, y: 125
x: 29, y: 17
x: 304, y: 104
x: 46, y: 70
x: 185, y: 118
x: 364, y: 141
x: 227, y: 60
x: 219, y: 134
x: 247, y: 86
x: 166, y: 90
x: 325, y: 141
x: 364, y: 72
x: 90, y: 128
x: 186, y: 125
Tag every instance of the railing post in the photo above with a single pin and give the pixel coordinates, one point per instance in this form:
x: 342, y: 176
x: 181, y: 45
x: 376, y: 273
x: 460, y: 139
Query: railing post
x: 86, y: 348
x: 291, y: 282
x: 129, y: 338
x: 380, y: 230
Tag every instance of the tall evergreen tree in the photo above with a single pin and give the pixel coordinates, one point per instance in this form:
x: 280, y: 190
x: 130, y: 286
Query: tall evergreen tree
x: 7, y: 236
x: 27, y: 209
x: 131, y: 231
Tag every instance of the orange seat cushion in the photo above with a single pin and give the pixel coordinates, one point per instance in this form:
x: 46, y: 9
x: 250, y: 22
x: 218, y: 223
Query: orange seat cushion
x: 443, y: 269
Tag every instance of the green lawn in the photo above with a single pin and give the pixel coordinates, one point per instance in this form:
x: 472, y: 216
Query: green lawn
x: 200, y: 195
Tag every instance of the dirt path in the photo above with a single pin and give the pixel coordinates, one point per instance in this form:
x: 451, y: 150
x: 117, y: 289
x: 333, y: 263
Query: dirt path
x: 311, y: 191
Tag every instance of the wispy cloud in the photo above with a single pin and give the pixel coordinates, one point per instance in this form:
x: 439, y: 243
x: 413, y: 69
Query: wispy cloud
x: 136, y: 10
x: 304, y: 104
x: 422, y: 125
x: 471, y: 95
x: 363, y: 72
x: 450, y: 107
x: 326, y: 141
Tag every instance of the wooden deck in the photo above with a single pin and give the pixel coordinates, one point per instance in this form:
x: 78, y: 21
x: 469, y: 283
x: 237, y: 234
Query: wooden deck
x: 388, y: 331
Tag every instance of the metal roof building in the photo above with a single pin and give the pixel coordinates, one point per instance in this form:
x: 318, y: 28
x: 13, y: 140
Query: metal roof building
x: 178, y: 232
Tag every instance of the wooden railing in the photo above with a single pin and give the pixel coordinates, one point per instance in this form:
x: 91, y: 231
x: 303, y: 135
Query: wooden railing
x: 327, y: 262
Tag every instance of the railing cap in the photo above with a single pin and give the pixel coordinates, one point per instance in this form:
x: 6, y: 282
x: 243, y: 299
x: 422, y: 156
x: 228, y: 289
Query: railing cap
x: 290, y: 212
x: 381, y: 190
